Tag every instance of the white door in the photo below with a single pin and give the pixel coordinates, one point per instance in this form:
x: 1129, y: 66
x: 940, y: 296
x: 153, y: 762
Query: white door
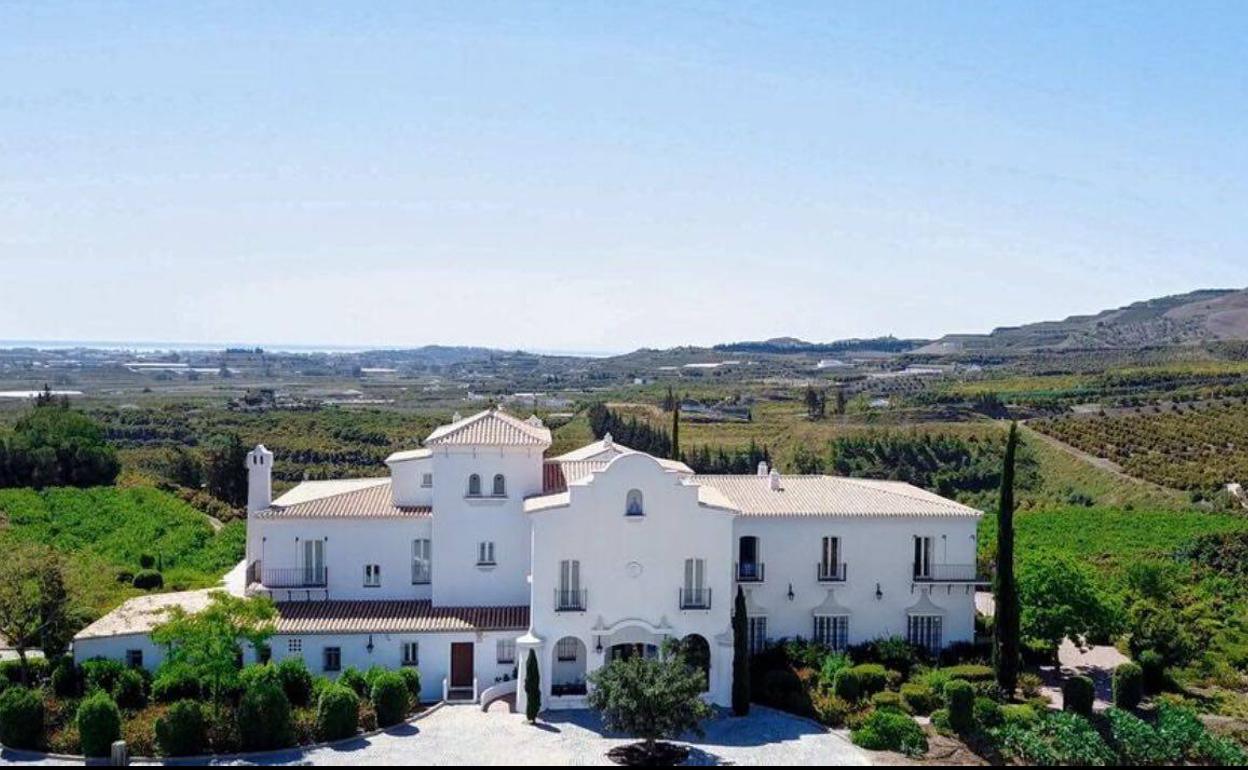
x: 313, y: 562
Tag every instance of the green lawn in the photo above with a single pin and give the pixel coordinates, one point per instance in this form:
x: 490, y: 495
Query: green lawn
x: 103, y: 531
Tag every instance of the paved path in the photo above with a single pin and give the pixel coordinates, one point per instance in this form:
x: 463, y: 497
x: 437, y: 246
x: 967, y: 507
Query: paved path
x: 464, y: 735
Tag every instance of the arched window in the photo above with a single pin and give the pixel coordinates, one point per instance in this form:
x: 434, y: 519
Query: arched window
x: 500, y: 485
x: 633, y: 505
x: 474, y: 485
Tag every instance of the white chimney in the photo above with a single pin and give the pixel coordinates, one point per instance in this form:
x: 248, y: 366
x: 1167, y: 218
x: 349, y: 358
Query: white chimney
x: 762, y: 468
x: 775, y: 480
x: 259, y: 479
x: 606, y: 442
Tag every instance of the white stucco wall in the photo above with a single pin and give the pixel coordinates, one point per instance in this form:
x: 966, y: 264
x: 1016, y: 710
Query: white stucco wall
x: 349, y: 545
x: 632, y: 568
x: 461, y: 522
x: 877, y: 550
x: 406, y: 481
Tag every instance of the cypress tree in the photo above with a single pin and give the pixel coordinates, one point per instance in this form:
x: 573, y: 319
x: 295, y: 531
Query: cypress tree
x: 740, y: 657
x: 1005, y: 642
x: 532, y: 688
x: 676, y: 432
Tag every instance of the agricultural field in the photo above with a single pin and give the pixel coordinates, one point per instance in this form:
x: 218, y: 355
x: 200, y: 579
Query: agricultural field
x: 104, y: 532
x: 1194, y: 448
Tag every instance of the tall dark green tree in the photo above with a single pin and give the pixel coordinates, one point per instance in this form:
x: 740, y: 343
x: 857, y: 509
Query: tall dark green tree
x: 740, y: 657
x: 676, y: 432
x: 225, y: 469
x: 1005, y: 642
x: 532, y: 688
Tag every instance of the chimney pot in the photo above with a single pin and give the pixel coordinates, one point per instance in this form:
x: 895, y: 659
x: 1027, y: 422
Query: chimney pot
x: 775, y: 480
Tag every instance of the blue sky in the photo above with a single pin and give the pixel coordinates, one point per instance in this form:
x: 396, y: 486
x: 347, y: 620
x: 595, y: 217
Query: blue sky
x: 604, y: 176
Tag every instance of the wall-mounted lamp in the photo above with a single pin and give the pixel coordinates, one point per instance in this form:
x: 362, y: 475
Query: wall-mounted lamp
x: 791, y: 594
x: 598, y: 645
x: 879, y: 593
x: 369, y: 646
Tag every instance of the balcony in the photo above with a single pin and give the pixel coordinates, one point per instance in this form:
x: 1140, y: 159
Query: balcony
x: 947, y: 573
x: 571, y: 600
x: 830, y: 573
x: 695, y: 598
x: 422, y: 574
x: 295, y: 577
x: 751, y: 571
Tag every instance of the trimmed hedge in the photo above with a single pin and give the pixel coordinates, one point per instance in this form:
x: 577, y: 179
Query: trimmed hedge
x: 889, y: 730
x: 971, y: 672
x: 183, y: 730
x: 920, y: 698
x: 1128, y: 684
x: 1078, y: 694
x: 988, y: 713
x: 337, y: 713
x: 960, y: 701
x: 100, y: 674
x: 21, y: 718
x: 99, y: 724
x: 411, y: 677
x: 872, y: 678
x: 66, y: 681
x: 888, y: 700
x: 296, y: 681
x: 351, y: 677
x: 175, y: 682
x: 1153, y: 668
x: 264, y: 718
x: 148, y: 579
x: 390, y: 699
x: 846, y: 685
x: 130, y: 691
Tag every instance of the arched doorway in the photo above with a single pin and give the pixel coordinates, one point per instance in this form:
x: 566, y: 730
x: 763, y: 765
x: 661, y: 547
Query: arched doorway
x: 697, y: 653
x: 568, y: 667
x: 631, y: 650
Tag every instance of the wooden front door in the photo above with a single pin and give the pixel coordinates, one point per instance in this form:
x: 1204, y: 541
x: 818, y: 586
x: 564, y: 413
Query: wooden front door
x: 461, y: 664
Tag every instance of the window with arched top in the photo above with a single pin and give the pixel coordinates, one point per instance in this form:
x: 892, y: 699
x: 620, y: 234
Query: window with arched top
x: 500, y: 485
x: 633, y: 505
x: 474, y: 485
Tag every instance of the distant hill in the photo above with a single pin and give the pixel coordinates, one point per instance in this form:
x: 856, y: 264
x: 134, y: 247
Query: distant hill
x: 1207, y: 315
x: 793, y: 345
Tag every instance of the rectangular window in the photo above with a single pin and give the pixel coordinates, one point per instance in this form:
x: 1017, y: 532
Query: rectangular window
x: 422, y: 561
x: 411, y: 653
x: 294, y: 646
x: 485, y: 552
x: 134, y: 658
x: 566, y: 649
x: 832, y: 631
x: 426, y: 480
x: 264, y: 653
x: 331, y: 659
x: 506, y: 650
x: 314, y: 562
x: 372, y: 575
x: 925, y: 631
x: 758, y: 634
x: 922, y: 557
x: 830, y: 559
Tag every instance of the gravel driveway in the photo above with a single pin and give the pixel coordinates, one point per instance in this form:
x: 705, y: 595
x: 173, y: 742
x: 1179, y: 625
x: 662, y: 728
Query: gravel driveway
x: 464, y: 735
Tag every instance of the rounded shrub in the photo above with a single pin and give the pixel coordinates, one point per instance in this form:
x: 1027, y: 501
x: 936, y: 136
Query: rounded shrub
x: 390, y: 698
x: 259, y: 673
x: 183, y: 730
x: 264, y: 718
x: 351, y: 677
x: 1019, y: 715
x: 130, y: 690
x: 1078, y: 694
x: 889, y: 700
x: 1153, y: 667
x: 66, y: 679
x: 337, y: 713
x: 411, y: 677
x: 99, y: 724
x: 830, y: 709
x: 296, y: 681
x: 1128, y: 685
x: 987, y: 713
x: 940, y: 720
x: 890, y: 730
x: 960, y: 700
x: 971, y: 672
x: 920, y: 698
x: 148, y: 579
x: 846, y: 685
x: 21, y: 718
x: 175, y: 682
x: 147, y: 561
x: 100, y: 674
x: 872, y: 678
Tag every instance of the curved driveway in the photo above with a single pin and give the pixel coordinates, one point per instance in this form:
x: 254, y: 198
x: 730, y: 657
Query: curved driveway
x: 464, y: 735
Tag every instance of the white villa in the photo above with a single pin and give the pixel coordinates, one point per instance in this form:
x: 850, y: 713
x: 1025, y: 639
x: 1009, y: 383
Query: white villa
x: 476, y: 549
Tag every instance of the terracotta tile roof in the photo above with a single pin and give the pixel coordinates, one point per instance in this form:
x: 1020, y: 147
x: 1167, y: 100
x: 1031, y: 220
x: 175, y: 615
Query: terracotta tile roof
x: 409, y: 454
x: 371, y: 502
x: 395, y: 617
x: 491, y: 428
x: 830, y: 496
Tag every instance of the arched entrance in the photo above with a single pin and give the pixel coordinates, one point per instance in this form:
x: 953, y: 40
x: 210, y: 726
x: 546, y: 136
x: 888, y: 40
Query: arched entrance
x: 568, y: 667
x: 631, y: 650
x: 697, y: 653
